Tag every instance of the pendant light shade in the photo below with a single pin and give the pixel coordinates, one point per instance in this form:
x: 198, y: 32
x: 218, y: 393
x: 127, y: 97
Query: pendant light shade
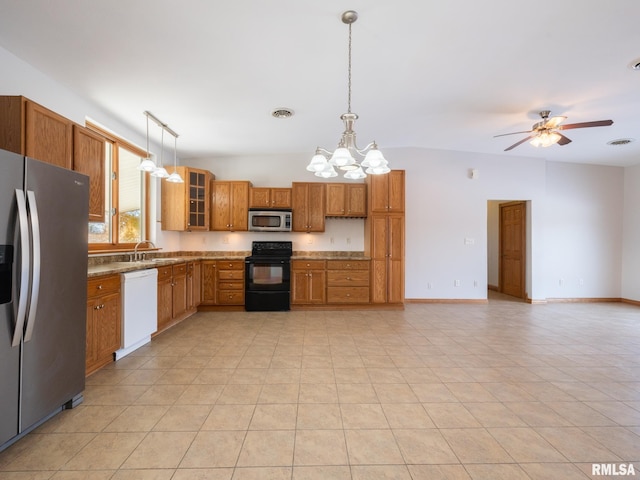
x: 344, y: 157
x: 175, y: 176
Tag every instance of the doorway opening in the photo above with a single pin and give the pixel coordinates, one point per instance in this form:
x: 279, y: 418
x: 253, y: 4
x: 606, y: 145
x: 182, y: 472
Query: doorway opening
x: 507, y: 248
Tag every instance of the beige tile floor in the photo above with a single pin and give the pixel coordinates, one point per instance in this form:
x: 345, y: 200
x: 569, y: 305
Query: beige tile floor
x: 499, y: 391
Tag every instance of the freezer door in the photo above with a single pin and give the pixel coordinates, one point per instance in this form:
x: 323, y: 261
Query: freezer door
x: 11, y: 179
x: 55, y: 337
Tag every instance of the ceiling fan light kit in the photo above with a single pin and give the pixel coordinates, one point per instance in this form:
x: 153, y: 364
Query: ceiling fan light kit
x: 545, y: 132
x: 343, y: 157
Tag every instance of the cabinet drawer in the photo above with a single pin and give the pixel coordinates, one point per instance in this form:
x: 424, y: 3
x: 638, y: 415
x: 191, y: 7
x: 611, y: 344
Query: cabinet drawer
x: 230, y: 275
x: 179, y: 269
x: 348, y: 295
x: 230, y: 265
x: 348, y: 265
x: 103, y: 285
x: 164, y: 273
x: 230, y: 297
x: 226, y: 285
x: 308, y: 264
x: 341, y: 278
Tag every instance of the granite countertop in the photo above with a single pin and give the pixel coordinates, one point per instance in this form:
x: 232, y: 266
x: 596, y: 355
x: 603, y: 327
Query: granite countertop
x: 112, y: 264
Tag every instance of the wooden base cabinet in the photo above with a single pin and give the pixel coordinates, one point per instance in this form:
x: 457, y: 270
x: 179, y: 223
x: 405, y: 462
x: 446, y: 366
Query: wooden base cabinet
x: 194, y: 285
x: 104, y: 324
x: 308, y: 282
x: 348, y: 281
x: 172, y: 295
x: 230, y: 279
x: 223, y: 282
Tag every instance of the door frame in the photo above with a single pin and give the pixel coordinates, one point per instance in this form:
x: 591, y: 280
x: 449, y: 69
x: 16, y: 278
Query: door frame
x: 523, y: 242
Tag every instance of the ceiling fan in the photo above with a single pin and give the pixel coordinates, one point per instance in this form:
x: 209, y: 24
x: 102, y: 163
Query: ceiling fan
x: 545, y: 132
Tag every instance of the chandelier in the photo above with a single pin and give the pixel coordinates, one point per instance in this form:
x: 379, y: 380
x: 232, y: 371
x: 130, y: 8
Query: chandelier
x: 148, y: 165
x: 344, y: 156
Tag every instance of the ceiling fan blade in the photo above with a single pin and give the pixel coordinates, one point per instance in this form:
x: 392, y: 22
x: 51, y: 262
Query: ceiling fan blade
x: 599, y: 123
x: 512, y: 133
x: 563, y: 140
x: 553, y: 122
x: 518, y: 143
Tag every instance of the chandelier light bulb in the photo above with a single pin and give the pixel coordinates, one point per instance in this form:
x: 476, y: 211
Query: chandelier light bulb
x: 318, y: 163
x: 342, y: 157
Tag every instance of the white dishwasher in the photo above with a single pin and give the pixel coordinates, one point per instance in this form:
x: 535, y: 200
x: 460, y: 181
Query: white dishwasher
x: 139, y: 309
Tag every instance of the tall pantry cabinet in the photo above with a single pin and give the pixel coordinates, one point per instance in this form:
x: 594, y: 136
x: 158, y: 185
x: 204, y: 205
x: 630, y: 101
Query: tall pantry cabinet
x: 384, y: 236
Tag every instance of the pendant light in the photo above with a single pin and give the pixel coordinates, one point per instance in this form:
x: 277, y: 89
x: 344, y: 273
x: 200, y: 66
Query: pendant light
x: 324, y: 162
x: 175, y: 176
x: 161, y: 172
x: 147, y: 165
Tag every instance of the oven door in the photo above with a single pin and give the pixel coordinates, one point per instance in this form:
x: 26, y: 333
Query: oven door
x: 267, y: 274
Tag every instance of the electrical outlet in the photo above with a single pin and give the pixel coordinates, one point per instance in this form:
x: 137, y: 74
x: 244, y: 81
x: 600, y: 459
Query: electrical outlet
x: 560, y: 282
x: 348, y: 240
x: 331, y: 241
x: 429, y: 286
x: 225, y: 239
x: 309, y: 240
x: 581, y: 281
x: 475, y: 283
x: 456, y: 283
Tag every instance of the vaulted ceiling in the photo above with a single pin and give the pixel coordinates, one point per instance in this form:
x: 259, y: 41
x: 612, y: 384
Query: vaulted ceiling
x: 443, y: 75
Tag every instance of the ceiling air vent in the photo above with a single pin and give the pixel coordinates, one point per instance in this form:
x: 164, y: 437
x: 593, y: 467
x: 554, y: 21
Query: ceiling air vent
x: 282, y: 113
x: 620, y: 141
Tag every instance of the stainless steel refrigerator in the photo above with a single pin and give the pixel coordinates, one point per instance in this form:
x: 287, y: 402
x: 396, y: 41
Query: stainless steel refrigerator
x: 43, y: 292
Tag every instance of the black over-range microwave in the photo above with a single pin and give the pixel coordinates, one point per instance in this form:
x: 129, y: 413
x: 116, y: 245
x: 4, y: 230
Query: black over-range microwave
x: 269, y: 220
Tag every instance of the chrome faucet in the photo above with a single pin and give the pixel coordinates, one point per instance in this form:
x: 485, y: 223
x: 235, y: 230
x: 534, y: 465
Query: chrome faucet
x: 135, y: 249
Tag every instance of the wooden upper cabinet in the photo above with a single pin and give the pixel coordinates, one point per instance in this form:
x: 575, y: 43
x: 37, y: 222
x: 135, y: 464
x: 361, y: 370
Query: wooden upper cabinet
x: 267, y: 197
x: 308, y: 207
x: 35, y: 131
x: 346, y: 200
x: 89, y: 158
x: 386, y: 192
x: 185, y: 206
x: 230, y: 205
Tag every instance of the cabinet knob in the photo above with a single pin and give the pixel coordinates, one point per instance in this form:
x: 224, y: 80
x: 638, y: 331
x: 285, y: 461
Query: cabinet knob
x: 99, y: 287
x: 348, y: 278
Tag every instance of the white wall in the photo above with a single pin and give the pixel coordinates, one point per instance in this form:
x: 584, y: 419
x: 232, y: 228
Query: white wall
x: 444, y: 207
x: 583, y: 236
x: 631, y: 235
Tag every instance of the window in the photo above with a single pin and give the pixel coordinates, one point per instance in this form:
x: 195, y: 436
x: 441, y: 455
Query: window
x: 126, y: 213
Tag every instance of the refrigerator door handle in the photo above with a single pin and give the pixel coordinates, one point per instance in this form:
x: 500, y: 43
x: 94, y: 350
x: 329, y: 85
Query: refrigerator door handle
x: 35, y: 278
x: 23, y: 295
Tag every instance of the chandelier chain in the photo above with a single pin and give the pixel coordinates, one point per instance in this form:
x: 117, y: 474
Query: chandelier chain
x: 349, y: 95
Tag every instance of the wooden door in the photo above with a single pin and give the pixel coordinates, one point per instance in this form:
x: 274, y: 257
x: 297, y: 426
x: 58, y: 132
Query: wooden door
x: 89, y: 158
x: 512, y: 248
x: 165, y: 303
x: 280, y: 197
x: 107, y: 328
x: 299, y: 286
x: 379, y: 259
x: 179, y: 293
x: 316, y: 207
x: 378, y: 193
x: 209, y: 279
x: 49, y: 136
x: 335, y: 199
x: 395, y: 264
x: 220, y: 205
x: 300, y: 207
x: 395, y: 180
x: 317, y: 286
x: 259, y: 197
x: 239, y: 214
x: 356, y: 200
